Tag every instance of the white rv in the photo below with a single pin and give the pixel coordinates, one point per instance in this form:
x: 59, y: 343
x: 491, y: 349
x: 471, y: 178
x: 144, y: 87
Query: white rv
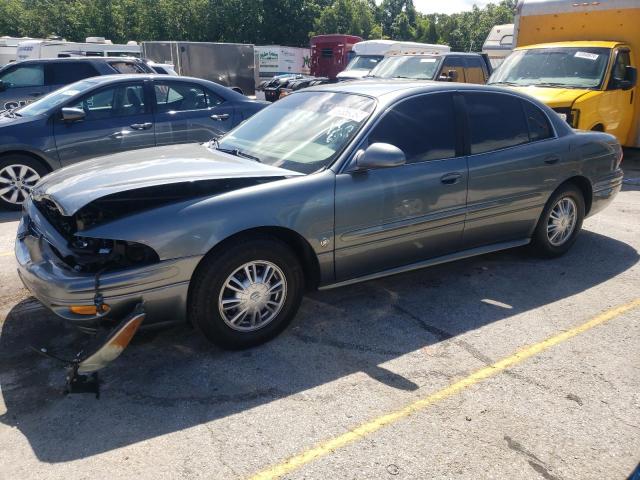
x: 93, y: 47
x: 499, y: 44
x: 369, y: 53
x: 9, y: 49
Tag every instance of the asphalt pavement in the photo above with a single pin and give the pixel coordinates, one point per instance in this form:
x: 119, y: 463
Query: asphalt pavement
x: 500, y: 366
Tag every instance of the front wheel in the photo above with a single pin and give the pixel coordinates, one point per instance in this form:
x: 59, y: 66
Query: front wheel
x: 247, y: 293
x: 560, y: 222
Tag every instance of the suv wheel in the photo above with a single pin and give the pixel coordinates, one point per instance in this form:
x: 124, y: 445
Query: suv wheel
x: 560, y: 222
x: 18, y: 175
x: 247, y: 293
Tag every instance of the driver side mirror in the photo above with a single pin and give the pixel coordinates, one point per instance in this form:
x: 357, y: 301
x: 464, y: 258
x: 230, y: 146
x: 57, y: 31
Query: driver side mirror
x: 380, y: 155
x: 3, y: 86
x: 72, y: 114
x: 629, y: 81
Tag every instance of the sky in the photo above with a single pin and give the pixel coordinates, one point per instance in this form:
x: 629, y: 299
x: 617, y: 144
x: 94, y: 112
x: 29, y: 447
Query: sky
x: 447, y: 6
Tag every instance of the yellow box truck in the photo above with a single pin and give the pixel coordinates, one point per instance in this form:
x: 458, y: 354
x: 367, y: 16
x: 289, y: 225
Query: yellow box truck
x: 580, y: 58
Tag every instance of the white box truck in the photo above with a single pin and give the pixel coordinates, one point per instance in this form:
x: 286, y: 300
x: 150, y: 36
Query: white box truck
x: 279, y: 60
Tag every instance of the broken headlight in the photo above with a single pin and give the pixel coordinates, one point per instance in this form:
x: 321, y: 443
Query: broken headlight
x: 92, y: 254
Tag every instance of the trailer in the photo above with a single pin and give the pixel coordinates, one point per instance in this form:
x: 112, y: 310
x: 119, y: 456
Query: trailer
x: 280, y: 60
x: 499, y: 44
x: 92, y: 47
x: 229, y: 64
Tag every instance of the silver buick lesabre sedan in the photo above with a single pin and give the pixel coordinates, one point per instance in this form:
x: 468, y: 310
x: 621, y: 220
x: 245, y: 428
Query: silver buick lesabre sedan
x: 332, y: 185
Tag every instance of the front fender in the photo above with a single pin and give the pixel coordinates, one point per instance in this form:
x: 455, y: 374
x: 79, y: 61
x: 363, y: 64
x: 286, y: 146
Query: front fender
x: 303, y: 204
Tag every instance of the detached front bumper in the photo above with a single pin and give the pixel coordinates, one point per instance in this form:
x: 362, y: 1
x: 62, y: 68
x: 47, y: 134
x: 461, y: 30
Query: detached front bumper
x: 162, y: 287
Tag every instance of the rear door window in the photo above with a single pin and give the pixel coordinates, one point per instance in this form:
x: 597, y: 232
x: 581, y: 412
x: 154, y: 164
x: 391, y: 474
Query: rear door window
x: 128, y: 67
x: 23, y: 76
x: 422, y: 127
x: 64, y: 73
x: 182, y: 97
x: 496, y: 121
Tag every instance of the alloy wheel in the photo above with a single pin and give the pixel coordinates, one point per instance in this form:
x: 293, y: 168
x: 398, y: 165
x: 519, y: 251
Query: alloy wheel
x: 562, y: 221
x: 252, y: 296
x: 16, y: 182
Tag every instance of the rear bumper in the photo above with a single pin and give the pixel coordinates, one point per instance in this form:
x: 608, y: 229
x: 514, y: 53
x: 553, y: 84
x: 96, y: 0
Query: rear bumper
x: 605, y: 190
x: 161, y: 287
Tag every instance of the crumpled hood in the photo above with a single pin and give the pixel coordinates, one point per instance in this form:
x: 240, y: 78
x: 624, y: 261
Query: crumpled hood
x: 75, y: 186
x: 554, y: 97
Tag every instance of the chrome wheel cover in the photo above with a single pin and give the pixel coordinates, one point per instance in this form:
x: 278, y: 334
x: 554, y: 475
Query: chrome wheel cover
x: 562, y: 221
x: 252, y: 296
x: 16, y: 182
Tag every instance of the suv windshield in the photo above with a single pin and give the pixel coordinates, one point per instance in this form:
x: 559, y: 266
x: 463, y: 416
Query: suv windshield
x: 303, y: 132
x: 54, y: 99
x: 364, y: 62
x: 567, y: 67
x: 419, y: 67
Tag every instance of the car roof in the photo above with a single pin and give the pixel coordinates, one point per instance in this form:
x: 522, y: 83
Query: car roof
x: 387, y: 91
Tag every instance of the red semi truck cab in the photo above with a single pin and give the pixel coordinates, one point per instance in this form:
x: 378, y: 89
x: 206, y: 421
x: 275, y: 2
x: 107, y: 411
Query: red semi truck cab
x: 331, y: 53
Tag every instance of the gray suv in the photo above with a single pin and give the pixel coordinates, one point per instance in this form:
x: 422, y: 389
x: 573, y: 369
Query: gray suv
x: 26, y: 81
x: 109, y: 114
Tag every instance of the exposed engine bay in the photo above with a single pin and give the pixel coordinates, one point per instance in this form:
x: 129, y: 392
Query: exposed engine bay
x: 92, y: 255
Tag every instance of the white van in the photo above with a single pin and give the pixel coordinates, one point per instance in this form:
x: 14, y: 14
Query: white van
x: 93, y: 47
x: 9, y: 48
x: 369, y: 53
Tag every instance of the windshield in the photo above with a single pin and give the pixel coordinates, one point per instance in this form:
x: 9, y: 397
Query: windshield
x: 54, y: 99
x: 574, y: 67
x: 419, y: 67
x: 303, y: 132
x: 364, y: 62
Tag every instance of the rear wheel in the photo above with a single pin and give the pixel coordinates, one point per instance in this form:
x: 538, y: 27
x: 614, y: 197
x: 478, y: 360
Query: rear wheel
x: 560, y: 222
x: 247, y: 293
x: 18, y: 175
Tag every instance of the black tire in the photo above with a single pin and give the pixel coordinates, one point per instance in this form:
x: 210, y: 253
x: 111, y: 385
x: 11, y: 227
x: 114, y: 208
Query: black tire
x: 541, y: 243
x: 11, y: 162
x: 214, y: 271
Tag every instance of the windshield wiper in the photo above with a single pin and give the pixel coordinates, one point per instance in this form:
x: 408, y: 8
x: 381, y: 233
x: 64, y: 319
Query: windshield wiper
x: 504, y: 83
x: 555, y: 84
x: 236, y: 152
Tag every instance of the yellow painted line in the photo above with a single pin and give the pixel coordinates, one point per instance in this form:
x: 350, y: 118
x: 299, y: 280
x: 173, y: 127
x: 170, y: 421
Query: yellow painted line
x: 376, y: 424
x: 6, y: 254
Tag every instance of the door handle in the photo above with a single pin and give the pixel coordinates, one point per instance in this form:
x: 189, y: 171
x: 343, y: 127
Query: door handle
x: 220, y: 117
x: 35, y: 94
x: 451, y: 178
x: 552, y: 160
x: 142, y: 126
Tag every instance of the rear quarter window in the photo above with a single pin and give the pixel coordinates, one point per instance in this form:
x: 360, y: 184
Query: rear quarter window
x: 537, y: 121
x: 496, y: 121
